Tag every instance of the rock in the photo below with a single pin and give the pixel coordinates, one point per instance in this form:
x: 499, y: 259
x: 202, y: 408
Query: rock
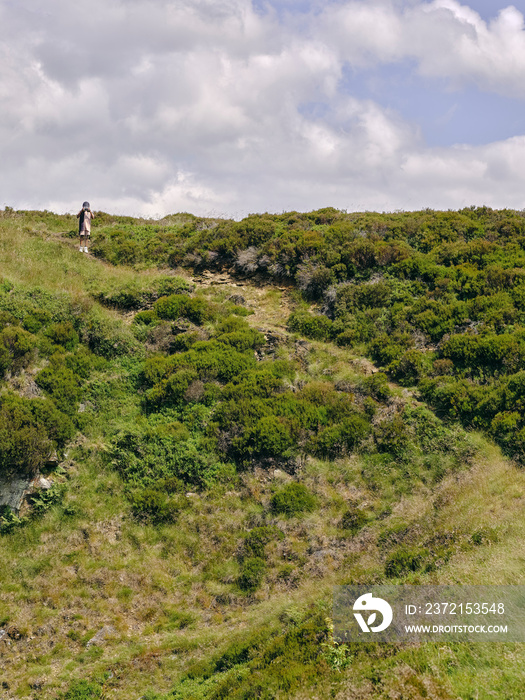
x: 237, y: 299
x: 3, y: 633
x: 273, y: 338
x: 190, y: 494
x: 13, y: 490
x: 53, y: 459
x: 43, y: 483
x: 101, y: 636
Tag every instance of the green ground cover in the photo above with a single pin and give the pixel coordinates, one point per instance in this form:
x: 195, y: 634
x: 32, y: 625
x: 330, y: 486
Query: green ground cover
x: 218, y: 473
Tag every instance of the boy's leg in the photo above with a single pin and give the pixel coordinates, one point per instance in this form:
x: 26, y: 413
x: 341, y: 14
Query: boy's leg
x: 81, y: 249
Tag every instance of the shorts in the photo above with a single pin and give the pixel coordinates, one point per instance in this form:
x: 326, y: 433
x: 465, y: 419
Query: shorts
x: 85, y: 233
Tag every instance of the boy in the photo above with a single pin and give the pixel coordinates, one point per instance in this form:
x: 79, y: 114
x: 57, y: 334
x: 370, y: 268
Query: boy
x: 84, y: 216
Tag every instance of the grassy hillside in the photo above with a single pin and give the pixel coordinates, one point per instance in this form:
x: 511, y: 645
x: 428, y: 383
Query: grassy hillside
x: 245, y: 414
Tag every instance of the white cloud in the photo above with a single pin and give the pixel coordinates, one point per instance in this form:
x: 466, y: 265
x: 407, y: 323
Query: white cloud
x: 151, y: 106
x: 445, y: 38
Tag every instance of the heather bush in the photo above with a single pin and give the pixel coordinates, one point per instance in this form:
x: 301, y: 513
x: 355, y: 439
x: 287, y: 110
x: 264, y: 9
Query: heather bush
x: 252, y: 574
x: 83, y: 690
x: 171, y: 390
x: 292, y: 499
x: 256, y: 540
x: 336, y: 440
x: 150, y: 454
x: 16, y: 348
x: 392, y: 435
x: 237, y: 332
x: 247, y: 260
x: 176, y: 306
x: 315, y: 327
x: 410, y: 367
x: 405, y: 559
x: 313, y: 279
x: 269, y: 438
x: 387, y: 348
x: 353, y: 519
x: 152, y: 505
x: 147, y: 317
x: 377, y: 386
x: 7, y: 319
x: 63, y: 334
x: 140, y: 295
x: 106, y: 336
x: 30, y: 430
x: 253, y: 384
x: 61, y: 384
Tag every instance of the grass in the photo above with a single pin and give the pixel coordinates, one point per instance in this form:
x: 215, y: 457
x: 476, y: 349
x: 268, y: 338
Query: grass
x: 170, y: 592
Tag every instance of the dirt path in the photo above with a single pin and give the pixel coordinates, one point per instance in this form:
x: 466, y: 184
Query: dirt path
x: 271, y: 305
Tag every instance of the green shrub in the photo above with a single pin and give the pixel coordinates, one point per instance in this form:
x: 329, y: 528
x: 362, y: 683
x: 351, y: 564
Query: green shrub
x: 148, y: 317
x: 353, y: 519
x: 63, y: 334
x: 268, y: 438
x: 30, y: 429
x: 410, y: 367
x: 405, y: 559
x: 7, y: 319
x: 386, y: 349
x: 61, y: 384
x: 106, y: 336
x: 257, y: 539
x: 458, y: 398
x: 293, y: 499
x: 254, y: 384
x: 334, y: 441
x: 392, y: 435
x: 206, y: 360
x: 242, y: 340
x: 184, y: 341
x: 152, y: 505
x: 315, y: 327
x: 16, y: 348
x: 35, y: 320
x: 141, y: 293
x: 175, y: 306
x: 8, y: 520
x: 146, y: 455
x: 82, y: 362
x: 170, y: 391
x: 377, y: 386
x: 83, y: 690
x: 252, y: 574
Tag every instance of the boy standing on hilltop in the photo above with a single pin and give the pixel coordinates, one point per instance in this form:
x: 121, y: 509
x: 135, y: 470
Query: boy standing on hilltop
x: 84, y: 216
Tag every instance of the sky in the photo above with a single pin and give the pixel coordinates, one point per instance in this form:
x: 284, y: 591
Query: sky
x: 229, y: 107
